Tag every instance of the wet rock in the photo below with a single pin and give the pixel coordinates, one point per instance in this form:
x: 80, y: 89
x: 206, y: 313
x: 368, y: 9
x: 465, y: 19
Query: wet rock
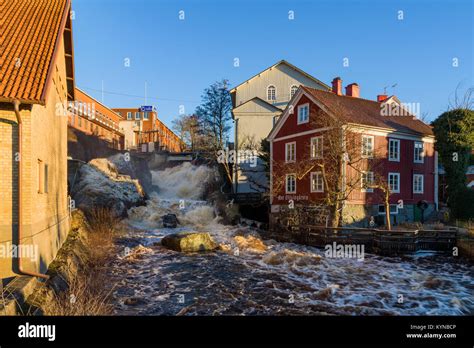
x: 98, y: 184
x: 432, y: 283
x: 250, y: 243
x: 135, y: 167
x: 225, y: 248
x: 133, y: 301
x: 170, y: 221
x: 189, y: 242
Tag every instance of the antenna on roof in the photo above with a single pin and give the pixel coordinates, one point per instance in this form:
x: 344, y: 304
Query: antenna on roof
x: 146, y: 93
x: 392, y: 86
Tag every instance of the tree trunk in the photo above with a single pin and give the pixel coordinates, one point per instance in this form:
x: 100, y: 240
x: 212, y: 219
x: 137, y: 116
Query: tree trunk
x: 334, y: 215
x: 387, y: 211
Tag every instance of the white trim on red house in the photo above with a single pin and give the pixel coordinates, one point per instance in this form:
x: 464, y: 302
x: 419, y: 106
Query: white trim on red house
x: 371, y: 155
x: 290, y: 106
x: 298, y: 121
x: 286, y: 183
x: 311, y: 182
x: 398, y: 181
x: 422, y: 154
x: 286, y: 152
x: 397, y: 141
x: 374, y: 130
x: 311, y: 147
x: 300, y: 134
x: 422, y: 183
x: 362, y: 188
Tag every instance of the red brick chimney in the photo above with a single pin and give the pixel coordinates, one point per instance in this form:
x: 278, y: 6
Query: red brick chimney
x: 382, y: 97
x: 337, y: 86
x: 352, y: 90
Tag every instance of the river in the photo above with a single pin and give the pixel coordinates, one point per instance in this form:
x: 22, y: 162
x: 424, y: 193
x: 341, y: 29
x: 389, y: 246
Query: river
x: 255, y: 277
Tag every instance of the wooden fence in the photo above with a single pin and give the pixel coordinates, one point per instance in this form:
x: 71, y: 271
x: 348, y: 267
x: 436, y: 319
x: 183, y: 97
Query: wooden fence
x: 374, y: 240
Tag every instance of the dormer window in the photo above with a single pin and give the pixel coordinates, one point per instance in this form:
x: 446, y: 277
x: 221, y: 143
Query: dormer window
x: 271, y: 93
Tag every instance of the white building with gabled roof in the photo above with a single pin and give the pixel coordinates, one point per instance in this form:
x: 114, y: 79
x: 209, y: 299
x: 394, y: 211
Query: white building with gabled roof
x: 256, y: 105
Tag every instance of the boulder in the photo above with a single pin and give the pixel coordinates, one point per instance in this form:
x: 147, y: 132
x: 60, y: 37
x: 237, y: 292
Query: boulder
x: 98, y: 184
x: 189, y: 242
x: 135, y: 167
x: 250, y: 243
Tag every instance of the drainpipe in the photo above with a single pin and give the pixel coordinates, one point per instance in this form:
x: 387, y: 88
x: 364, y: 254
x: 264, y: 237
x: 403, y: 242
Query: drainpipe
x: 16, y: 105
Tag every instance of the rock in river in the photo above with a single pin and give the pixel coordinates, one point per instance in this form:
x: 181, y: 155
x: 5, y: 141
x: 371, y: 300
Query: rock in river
x: 189, y: 242
x: 99, y: 184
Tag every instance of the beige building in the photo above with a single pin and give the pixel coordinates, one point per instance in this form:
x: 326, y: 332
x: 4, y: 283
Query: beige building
x: 37, y: 81
x: 256, y: 105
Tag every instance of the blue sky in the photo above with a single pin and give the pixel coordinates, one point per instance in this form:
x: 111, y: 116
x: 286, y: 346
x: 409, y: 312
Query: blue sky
x: 179, y: 58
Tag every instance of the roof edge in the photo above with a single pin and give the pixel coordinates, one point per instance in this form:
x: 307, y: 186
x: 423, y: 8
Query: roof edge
x: 66, y: 11
x: 283, y: 61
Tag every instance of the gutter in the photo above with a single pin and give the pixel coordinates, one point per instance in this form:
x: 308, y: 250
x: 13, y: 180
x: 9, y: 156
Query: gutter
x: 16, y: 105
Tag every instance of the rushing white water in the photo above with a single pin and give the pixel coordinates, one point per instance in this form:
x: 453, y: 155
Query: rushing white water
x: 250, y: 276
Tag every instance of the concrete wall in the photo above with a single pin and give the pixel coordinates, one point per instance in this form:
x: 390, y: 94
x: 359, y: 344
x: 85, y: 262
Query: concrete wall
x: 359, y: 214
x: 45, y: 215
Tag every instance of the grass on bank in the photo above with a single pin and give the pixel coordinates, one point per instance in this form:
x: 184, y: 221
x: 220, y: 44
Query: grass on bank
x: 88, y: 290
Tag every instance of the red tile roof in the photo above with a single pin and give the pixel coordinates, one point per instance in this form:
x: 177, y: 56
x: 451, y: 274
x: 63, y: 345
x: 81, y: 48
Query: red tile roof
x: 30, y: 31
x: 368, y: 112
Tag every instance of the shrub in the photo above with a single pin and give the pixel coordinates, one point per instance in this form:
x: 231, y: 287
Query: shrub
x: 462, y: 205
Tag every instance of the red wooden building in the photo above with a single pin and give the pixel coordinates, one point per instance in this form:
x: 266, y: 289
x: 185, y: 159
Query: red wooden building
x: 394, y: 146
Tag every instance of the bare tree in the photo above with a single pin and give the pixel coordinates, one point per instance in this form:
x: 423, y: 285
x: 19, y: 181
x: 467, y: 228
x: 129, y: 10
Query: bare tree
x: 380, y: 183
x: 187, y: 126
x: 214, y: 119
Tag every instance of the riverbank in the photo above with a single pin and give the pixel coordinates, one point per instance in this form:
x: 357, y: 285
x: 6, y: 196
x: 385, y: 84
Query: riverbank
x: 79, y: 283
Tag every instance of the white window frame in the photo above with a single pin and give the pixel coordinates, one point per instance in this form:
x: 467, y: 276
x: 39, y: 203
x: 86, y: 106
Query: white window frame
x: 422, y: 153
x: 422, y: 183
x: 319, y: 140
x: 129, y: 115
x: 391, y: 213
x: 291, y: 90
x: 286, y: 183
x: 398, y: 181
x: 300, y: 107
x: 274, y: 94
x: 318, y: 175
x: 397, y: 158
x: 371, y: 155
x: 146, y: 115
x: 286, y: 152
x: 137, y: 113
x: 362, y: 188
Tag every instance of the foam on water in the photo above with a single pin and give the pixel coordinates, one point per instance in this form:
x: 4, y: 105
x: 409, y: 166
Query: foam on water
x: 263, y: 275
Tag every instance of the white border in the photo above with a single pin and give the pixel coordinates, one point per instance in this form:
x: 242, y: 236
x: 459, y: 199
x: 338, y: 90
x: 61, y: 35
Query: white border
x: 399, y: 182
x: 398, y: 150
x: 362, y: 189
x: 286, y: 183
x: 298, y: 113
x: 422, y: 152
x: 311, y: 182
x: 422, y: 183
x: 362, y: 146
x: 286, y: 152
